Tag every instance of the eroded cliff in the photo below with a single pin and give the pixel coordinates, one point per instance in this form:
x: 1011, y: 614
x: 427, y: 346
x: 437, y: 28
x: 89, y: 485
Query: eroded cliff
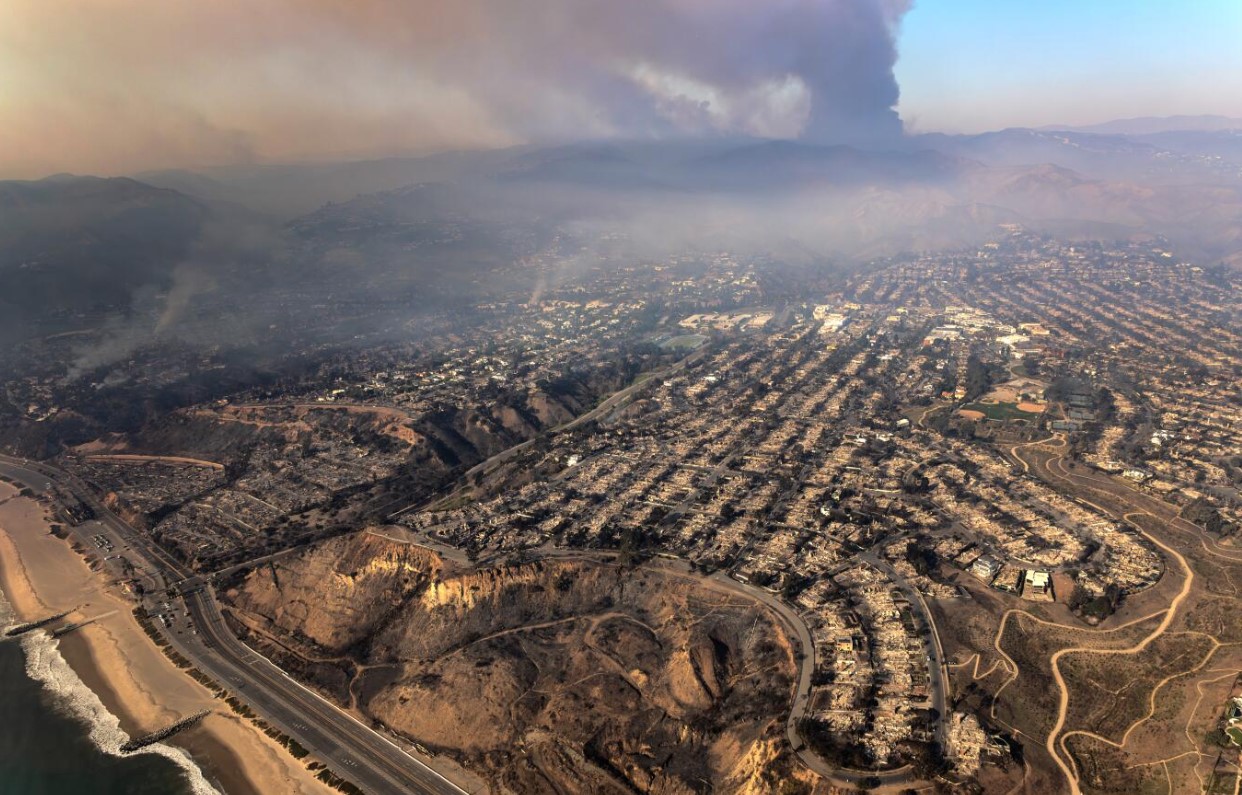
x: 567, y: 673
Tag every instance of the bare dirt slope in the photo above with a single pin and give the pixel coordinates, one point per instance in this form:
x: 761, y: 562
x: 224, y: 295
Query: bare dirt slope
x: 567, y: 674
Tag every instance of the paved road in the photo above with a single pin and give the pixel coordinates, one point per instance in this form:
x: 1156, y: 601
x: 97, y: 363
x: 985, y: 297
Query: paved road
x: 1116, y: 497
x: 840, y: 777
x: 938, y: 672
x: 1050, y: 464
x: 613, y: 401
x: 1139, y: 501
x: 617, y: 398
x: 366, y: 757
x: 352, y: 750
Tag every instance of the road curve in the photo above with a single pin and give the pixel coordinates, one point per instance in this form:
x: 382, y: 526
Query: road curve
x: 840, y: 777
x: 351, y: 749
x: 1055, y: 660
x: 610, y: 403
x: 1056, y: 469
x: 354, y: 750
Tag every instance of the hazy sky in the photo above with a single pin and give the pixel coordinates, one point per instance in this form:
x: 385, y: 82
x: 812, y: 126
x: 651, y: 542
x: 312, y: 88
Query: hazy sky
x: 974, y: 65
x: 116, y: 86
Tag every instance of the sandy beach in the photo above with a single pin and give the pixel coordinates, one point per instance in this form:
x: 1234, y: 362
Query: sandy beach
x: 40, y: 574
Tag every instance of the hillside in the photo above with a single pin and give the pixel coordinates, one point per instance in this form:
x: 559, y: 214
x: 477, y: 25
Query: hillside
x: 79, y: 244
x: 561, y: 675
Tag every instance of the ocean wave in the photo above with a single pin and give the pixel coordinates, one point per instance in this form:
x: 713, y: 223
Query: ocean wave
x: 45, y: 665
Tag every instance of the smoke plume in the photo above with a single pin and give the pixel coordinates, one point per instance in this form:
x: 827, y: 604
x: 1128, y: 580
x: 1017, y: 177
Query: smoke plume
x: 130, y: 84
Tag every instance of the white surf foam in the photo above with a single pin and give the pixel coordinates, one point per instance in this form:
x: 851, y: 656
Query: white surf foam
x: 45, y: 665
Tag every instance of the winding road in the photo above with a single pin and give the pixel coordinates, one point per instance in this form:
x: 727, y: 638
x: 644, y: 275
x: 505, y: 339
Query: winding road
x: 1054, y: 469
x: 355, y: 751
x: 1063, y: 708
x: 351, y: 749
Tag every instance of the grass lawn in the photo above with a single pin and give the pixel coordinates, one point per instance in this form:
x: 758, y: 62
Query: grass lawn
x: 685, y: 342
x: 1001, y: 411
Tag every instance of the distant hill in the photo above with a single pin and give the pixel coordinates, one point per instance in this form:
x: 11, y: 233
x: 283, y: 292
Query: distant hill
x: 422, y: 231
x: 1149, y: 125
x: 1090, y: 153
x: 1166, y: 158
x: 289, y: 190
x: 787, y: 165
x: 591, y: 165
x: 1223, y: 144
x: 73, y: 244
x: 836, y: 200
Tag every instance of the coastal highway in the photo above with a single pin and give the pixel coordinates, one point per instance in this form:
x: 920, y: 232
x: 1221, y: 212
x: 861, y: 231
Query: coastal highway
x: 351, y: 749
x: 367, y: 758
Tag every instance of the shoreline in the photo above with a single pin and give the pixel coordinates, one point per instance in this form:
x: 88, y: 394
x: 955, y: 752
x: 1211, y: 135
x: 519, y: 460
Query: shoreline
x: 116, y: 660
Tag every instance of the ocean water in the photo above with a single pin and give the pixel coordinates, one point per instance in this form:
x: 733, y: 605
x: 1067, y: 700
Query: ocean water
x: 57, y: 738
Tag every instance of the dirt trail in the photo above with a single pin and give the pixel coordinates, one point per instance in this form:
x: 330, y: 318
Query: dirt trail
x: 1151, y: 703
x: 1055, y: 742
x: 127, y: 458
x: 1051, y: 745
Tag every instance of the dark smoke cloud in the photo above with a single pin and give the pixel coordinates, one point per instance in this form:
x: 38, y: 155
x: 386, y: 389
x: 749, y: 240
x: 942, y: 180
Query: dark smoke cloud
x: 823, y: 68
x: 133, y: 83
